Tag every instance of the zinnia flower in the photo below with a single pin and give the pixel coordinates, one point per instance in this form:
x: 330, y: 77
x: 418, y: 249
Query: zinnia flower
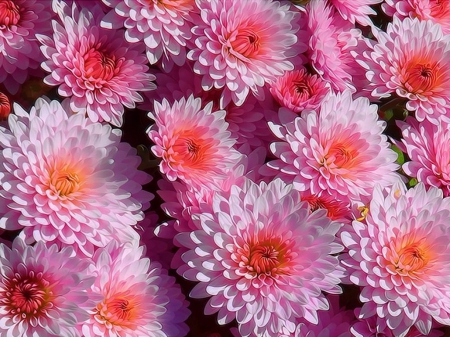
x: 411, y: 60
x: 95, y: 67
x: 68, y: 179
x: 262, y: 258
x: 20, y: 21
x: 136, y: 297
x: 42, y: 290
x: 241, y: 45
x: 194, y: 143
x: 339, y: 149
x: 400, y: 257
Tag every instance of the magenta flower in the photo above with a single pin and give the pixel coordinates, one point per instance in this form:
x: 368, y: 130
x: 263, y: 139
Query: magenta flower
x: 42, y: 290
x: 241, y: 45
x: 67, y: 179
x: 410, y: 59
x: 136, y: 297
x: 95, y: 67
x: 262, y: 258
x: 400, y: 257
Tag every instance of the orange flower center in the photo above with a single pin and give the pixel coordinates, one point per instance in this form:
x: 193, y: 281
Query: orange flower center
x: 412, y: 257
x: 421, y: 77
x: 341, y: 155
x: 118, y: 311
x: 191, y: 150
x: 9, y: 13
x: 65, y: 182
x: 247, y: 43
x: 98, y: 65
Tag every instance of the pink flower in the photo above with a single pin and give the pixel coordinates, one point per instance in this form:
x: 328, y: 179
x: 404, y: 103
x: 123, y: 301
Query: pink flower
x: 42, y: 290
x: 298, y: 90
x: 163, y: 25
x: 410, y: 59
x: 20, y: 20
x: 356, y: 11
x: 241, y: 45
x: 136, y: 297
x: 193, y: 142
x: 67, y: 179
x: 93, y: 66
x: 262, y: 258
x: 400, y: 257
x: 340, y: 150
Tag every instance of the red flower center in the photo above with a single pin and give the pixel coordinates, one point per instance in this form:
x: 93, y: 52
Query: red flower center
x: 5, y: 106
x: 99, y: 66
x: 9, y: 13
x: 420, y: 77
x: 247, y: 43
x: 118, y: 310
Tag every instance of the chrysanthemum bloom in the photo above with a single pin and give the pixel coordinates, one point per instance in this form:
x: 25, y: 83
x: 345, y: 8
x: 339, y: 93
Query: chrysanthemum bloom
x: 411, y: 60
x: 339, y: 149
x: 332, y: 45
x: 20, y: 20
x: 42, y: 290
x: 437, y: 11
x: 401, y: 258
x: 137, y: 297
x: 95, y: 67
x: 356, y: 11
x: 68, y: 179
x: 163, y: 25
x: 262, y: 258
x: 5, y: 106
x: 298, y: 90
x: 241, y: 45
x: 192, y: 141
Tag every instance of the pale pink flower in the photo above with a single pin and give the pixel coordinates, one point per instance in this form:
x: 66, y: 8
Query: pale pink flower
x: 192, y: 141
x: 136, y: 297
x: 262, y: 258
x: 356, y: 10
x: 400, y: 257
x: 437, y: 11
x: 43, y: 291
x: 339, y: 149
x: 67, y: 179
x: 241, y: 45
x: 163, y: 25
x: 95, y: 67
x: 298, y: 90
x: 20, y: 21
x: 410, y: 59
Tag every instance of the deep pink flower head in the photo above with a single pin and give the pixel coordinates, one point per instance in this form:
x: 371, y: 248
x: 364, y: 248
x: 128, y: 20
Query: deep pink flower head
x: 339, y: 149
x: 136, y: 297
x: 43, y: 290
x: 163, y: 25
x: 437, y: 11
x: 95, y: 67
x: 67, y: 179
x: 241, y: 45
x: 262, y: 258
x: 400, y: 257
x: 20, y: 21
x: 356, y: 10
x: 192, y: 141
x: 410, y: 59
x: 427, y: 146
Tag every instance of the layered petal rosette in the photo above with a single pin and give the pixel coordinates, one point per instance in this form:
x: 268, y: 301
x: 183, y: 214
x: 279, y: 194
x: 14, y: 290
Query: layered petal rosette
x: 262, y: 258
x: 241, y: 45
x: 411, y: 60
x: 65, y: 178
x: 339, y: 149
x: 43, y: 290
x: 95, y: 67
x: 400, y: 259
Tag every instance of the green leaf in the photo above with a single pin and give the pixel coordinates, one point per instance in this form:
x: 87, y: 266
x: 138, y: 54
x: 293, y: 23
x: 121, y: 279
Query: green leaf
x: 401, y: 157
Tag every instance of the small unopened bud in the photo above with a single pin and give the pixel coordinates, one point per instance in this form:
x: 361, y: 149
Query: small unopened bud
x: 5, y: 106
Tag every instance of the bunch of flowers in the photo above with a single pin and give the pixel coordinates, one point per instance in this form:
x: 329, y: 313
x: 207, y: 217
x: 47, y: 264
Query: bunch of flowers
x: 218, y: 168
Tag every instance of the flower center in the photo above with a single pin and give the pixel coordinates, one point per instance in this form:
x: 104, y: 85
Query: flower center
x: 190, y: 150
x: 340, y: 156
x: 65, y: 183
x: 302, y: 90
x: 117, y: 311
x: 247, y: 43
x: 412, y: 258
x: 9, y: 13
x: 98, y: 65
x: 421, y: 77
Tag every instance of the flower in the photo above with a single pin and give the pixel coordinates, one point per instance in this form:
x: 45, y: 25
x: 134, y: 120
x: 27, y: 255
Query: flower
x: 194, y: 143
x: 67, y: 179
x: 356, y: 11
x: 298, y: 90
x: 400, y: 259
x: 262, y: 258
x: 241, y: 45
x: 20, y: 20
x: 336, y: 209
x: 93, y: 66
x: 411, y: 60
x: 339, y: 149
x: 42, y: 290
x: 5, y: 106
x: 136, y: 297
x: 163, y: 25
